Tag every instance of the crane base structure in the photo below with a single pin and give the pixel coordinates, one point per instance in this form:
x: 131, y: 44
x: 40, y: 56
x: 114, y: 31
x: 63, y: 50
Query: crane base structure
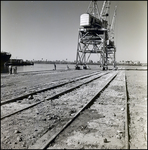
x: 91, y: 41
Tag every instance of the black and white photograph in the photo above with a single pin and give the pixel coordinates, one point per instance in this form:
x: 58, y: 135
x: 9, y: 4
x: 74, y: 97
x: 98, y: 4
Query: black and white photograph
x: 74, y: 74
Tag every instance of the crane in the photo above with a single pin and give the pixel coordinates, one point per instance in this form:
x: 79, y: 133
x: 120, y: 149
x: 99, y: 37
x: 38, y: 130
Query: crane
x: 93, y: 35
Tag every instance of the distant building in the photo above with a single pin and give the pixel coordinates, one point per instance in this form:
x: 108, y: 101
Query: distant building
x: 128, y: 62
x: 16, y: 60
x: 137, y: 62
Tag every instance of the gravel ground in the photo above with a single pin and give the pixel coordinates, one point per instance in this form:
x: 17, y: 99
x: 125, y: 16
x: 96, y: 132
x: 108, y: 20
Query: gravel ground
x: 137, y: 88
x: 23, y: 83
x: 105, y: 119
x: 22, y: 130
x: 39, y: 97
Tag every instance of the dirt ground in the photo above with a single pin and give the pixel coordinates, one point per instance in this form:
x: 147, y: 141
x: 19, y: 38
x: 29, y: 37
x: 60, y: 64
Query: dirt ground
x: 25, y: 128
x: 137, y: 88
x: 104, y: 120
x: 22, y: 83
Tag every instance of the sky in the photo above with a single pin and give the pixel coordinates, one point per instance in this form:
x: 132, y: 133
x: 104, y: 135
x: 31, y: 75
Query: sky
x: 48, y: 30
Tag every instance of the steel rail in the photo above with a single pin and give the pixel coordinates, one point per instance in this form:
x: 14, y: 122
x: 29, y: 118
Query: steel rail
x: 126, y: 115
x: 43, y: 90
x: 51, y: 139
x: 54, y: 96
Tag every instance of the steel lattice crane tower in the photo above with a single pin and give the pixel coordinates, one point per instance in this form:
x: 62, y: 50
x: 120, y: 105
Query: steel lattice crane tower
x: 93, y: 35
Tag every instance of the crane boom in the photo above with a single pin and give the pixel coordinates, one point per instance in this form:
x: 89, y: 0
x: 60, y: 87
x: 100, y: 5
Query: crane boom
x: 102, y: 9
x: 113, y: 20
x: 93, y: 9
x: 105, y: 10
x: 112, y: 24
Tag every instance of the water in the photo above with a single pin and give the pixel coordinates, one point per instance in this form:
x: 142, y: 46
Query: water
x: 41, y: 67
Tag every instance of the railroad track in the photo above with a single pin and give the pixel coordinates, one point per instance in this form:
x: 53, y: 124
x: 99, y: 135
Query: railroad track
x: 53, y: 96
x: 45, y: 141
x: 43, y: 79
x: 43, y: 106
x: 52, y: 132
x: 88, y: 104
x: 126, y: 115
x: 45, y: 89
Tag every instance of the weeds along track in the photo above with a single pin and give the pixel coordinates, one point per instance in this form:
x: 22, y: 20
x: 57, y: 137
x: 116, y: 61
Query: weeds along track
x: 38, y: 126
x: 30, y: 100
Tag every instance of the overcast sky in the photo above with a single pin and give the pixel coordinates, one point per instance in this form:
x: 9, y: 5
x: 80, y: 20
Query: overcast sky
x: 49, y: 29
